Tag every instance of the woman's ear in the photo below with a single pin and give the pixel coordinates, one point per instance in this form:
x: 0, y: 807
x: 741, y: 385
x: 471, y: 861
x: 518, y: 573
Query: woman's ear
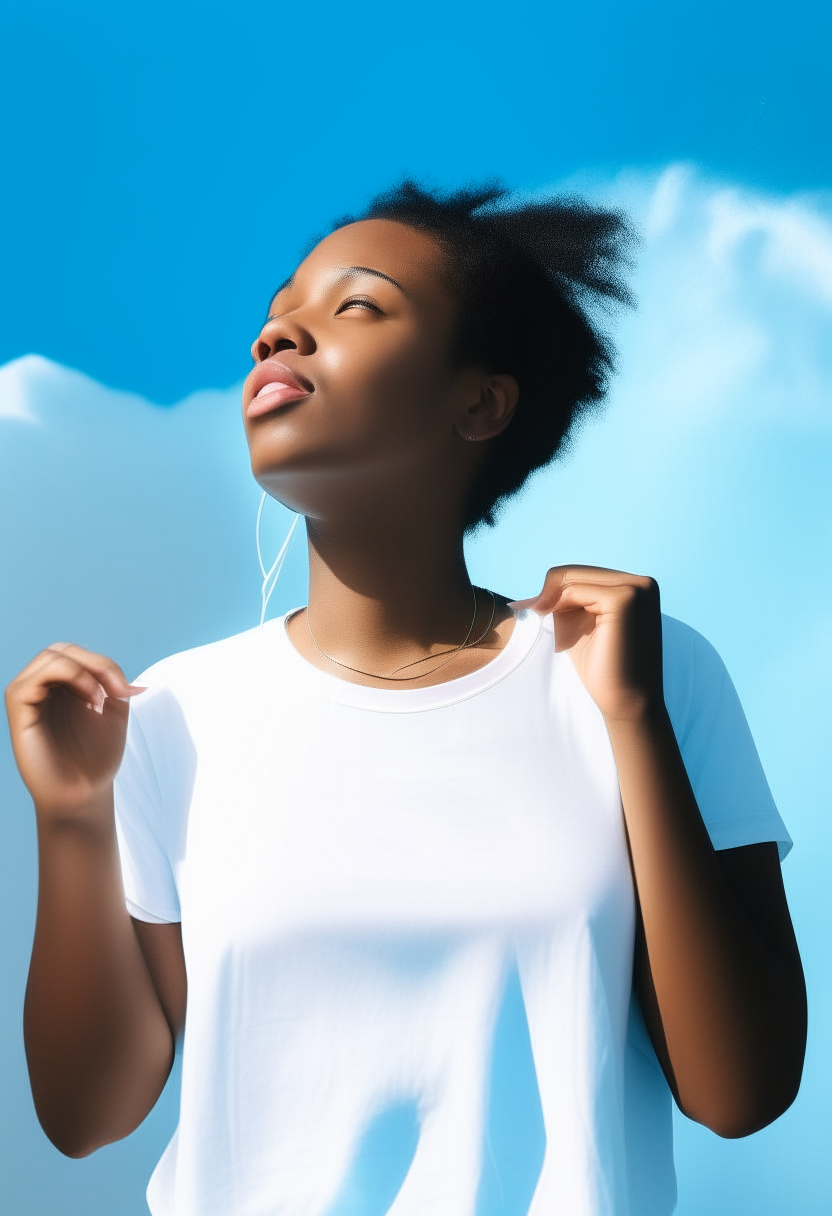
x: 492, y: 408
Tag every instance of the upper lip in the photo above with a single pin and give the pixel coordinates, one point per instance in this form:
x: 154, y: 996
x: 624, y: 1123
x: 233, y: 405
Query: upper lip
x: 270, y: 372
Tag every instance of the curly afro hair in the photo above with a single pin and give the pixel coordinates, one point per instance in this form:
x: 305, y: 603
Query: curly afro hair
x: 526, y: 277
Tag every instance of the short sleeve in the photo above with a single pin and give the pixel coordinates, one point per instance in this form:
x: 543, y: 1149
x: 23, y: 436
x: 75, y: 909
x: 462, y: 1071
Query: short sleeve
x: 715, y: 741
x: 143, y: 832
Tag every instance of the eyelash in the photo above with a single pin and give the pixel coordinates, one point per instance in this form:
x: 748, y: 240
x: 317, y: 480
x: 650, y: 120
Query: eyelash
x: 359, y: 300
x: 367, y: 303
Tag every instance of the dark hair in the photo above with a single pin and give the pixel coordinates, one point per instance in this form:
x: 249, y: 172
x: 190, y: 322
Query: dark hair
x: 525, y: 276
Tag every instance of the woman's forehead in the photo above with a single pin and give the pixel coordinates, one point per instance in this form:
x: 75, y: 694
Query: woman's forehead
x: 410, y: 259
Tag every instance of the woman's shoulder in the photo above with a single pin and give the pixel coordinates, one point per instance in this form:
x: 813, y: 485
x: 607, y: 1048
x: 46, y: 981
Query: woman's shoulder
x: 693, y: 669
x: 203, y: 667
x: 716, y: 744
x: 683, y: 643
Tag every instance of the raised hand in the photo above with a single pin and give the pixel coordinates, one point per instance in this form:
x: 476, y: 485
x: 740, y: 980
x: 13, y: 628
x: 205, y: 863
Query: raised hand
x: 610, y: 624
x: 68, y: 713
x: 99, y: 1044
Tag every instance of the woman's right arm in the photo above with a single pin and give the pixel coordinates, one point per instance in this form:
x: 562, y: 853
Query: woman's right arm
x: 99, y: 1036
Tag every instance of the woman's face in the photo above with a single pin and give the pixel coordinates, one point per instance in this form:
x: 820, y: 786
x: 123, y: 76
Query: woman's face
x: 353, y: 392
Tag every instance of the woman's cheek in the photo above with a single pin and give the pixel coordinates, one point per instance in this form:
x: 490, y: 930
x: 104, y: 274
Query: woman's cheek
x: 380, y: 383
x: 366, y: 380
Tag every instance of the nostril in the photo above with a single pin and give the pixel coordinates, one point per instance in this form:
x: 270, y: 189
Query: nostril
x: 262, y: 349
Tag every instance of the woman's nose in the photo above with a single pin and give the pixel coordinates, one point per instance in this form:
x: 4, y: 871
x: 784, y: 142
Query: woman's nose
x: 281, y: 333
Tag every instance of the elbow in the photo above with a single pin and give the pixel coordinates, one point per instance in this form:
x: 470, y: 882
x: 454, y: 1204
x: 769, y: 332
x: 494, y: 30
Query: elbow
x: 69, y: 1148
x: 736, y: 1126
x: 88, y: 1102
x: 76, y: 1137
x: 742, y: 1115
x: 755, y: 1085
x: 70, y: 1137
x: 77, y: 1149
x: 78, y: 1124
x: 758, y: 1116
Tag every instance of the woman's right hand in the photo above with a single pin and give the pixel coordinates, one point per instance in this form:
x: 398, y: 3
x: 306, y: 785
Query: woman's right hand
x: 68, y: 713
x: 99, y: 1045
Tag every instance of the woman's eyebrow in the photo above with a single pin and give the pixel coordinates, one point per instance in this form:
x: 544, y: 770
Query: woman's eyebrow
x: 350, y: 271
x: 343, y: 272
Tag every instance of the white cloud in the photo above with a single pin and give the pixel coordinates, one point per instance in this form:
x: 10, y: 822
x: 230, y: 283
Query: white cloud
x: 15, y: 379
x: 797, y: 240
x: 130, y: 528
x: 125, y: 525
x: 735, y: 316
x: 666, y: 199
x: 712, y: 459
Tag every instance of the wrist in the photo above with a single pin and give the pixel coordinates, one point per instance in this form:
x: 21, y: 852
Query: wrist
x: 642, y: 714
x: 91, y: 816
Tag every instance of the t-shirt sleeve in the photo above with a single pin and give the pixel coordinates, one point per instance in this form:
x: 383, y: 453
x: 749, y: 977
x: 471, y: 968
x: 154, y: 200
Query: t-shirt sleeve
x: 716, y: 744
x: 143, y: 829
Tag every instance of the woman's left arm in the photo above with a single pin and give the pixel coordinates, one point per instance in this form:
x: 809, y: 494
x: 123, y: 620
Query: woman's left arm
x: 717, y: 966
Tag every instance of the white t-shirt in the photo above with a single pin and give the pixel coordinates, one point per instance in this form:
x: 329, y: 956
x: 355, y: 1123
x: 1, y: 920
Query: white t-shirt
x: 408, y: 925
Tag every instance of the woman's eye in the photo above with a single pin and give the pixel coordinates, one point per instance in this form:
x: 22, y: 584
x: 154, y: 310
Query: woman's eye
x: 358, y: 302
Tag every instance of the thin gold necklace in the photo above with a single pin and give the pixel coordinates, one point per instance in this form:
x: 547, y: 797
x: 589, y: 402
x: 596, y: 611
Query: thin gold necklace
x: 466, y: 643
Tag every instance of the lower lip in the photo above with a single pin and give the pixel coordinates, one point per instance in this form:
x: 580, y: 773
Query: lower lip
x: 272, y: 397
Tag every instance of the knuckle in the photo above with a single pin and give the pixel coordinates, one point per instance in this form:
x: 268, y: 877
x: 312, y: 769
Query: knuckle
x: 62, y: 671
x: 56, y: 658
x: 74, y: 653
x: 59, y: 658
x: 642, y: 585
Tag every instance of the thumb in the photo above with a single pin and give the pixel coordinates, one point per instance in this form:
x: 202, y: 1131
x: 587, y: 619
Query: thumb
x: 549, y: 594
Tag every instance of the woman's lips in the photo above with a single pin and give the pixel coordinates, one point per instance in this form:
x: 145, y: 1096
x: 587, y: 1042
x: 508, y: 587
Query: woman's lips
x: 272, y: 396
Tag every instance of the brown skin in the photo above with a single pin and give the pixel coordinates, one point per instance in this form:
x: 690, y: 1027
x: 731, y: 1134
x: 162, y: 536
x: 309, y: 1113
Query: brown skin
x: 717, y: 967
x: 378, y: 455
x: 100, y: 1015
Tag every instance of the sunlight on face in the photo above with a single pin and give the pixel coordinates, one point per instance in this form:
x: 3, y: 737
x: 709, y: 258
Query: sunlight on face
x: 352, y: 365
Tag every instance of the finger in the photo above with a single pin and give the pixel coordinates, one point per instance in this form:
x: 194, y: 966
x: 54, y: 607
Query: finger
x: 41, y: 660
x: 61, y: 672
x: 60, y: 667
x: 594, y: 598
x: 108, y: 673
x: 116, y: 707
x: 34, y: 670
x: 584, y: 607
x: 560, y: 576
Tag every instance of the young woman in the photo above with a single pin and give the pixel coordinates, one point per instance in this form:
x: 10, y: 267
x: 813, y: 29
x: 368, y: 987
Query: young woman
x: 353, y: 826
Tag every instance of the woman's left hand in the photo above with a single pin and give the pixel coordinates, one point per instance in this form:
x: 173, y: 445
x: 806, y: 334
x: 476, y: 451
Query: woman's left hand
x: 718, y: 972
x: 609, y: 623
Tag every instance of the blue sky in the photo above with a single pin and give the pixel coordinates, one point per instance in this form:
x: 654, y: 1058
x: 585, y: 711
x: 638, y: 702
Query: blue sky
x: 164, y: 166
x: 170, y: 158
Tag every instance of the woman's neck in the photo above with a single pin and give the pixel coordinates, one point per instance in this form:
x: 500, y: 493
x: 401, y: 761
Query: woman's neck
x: 382, y: 595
